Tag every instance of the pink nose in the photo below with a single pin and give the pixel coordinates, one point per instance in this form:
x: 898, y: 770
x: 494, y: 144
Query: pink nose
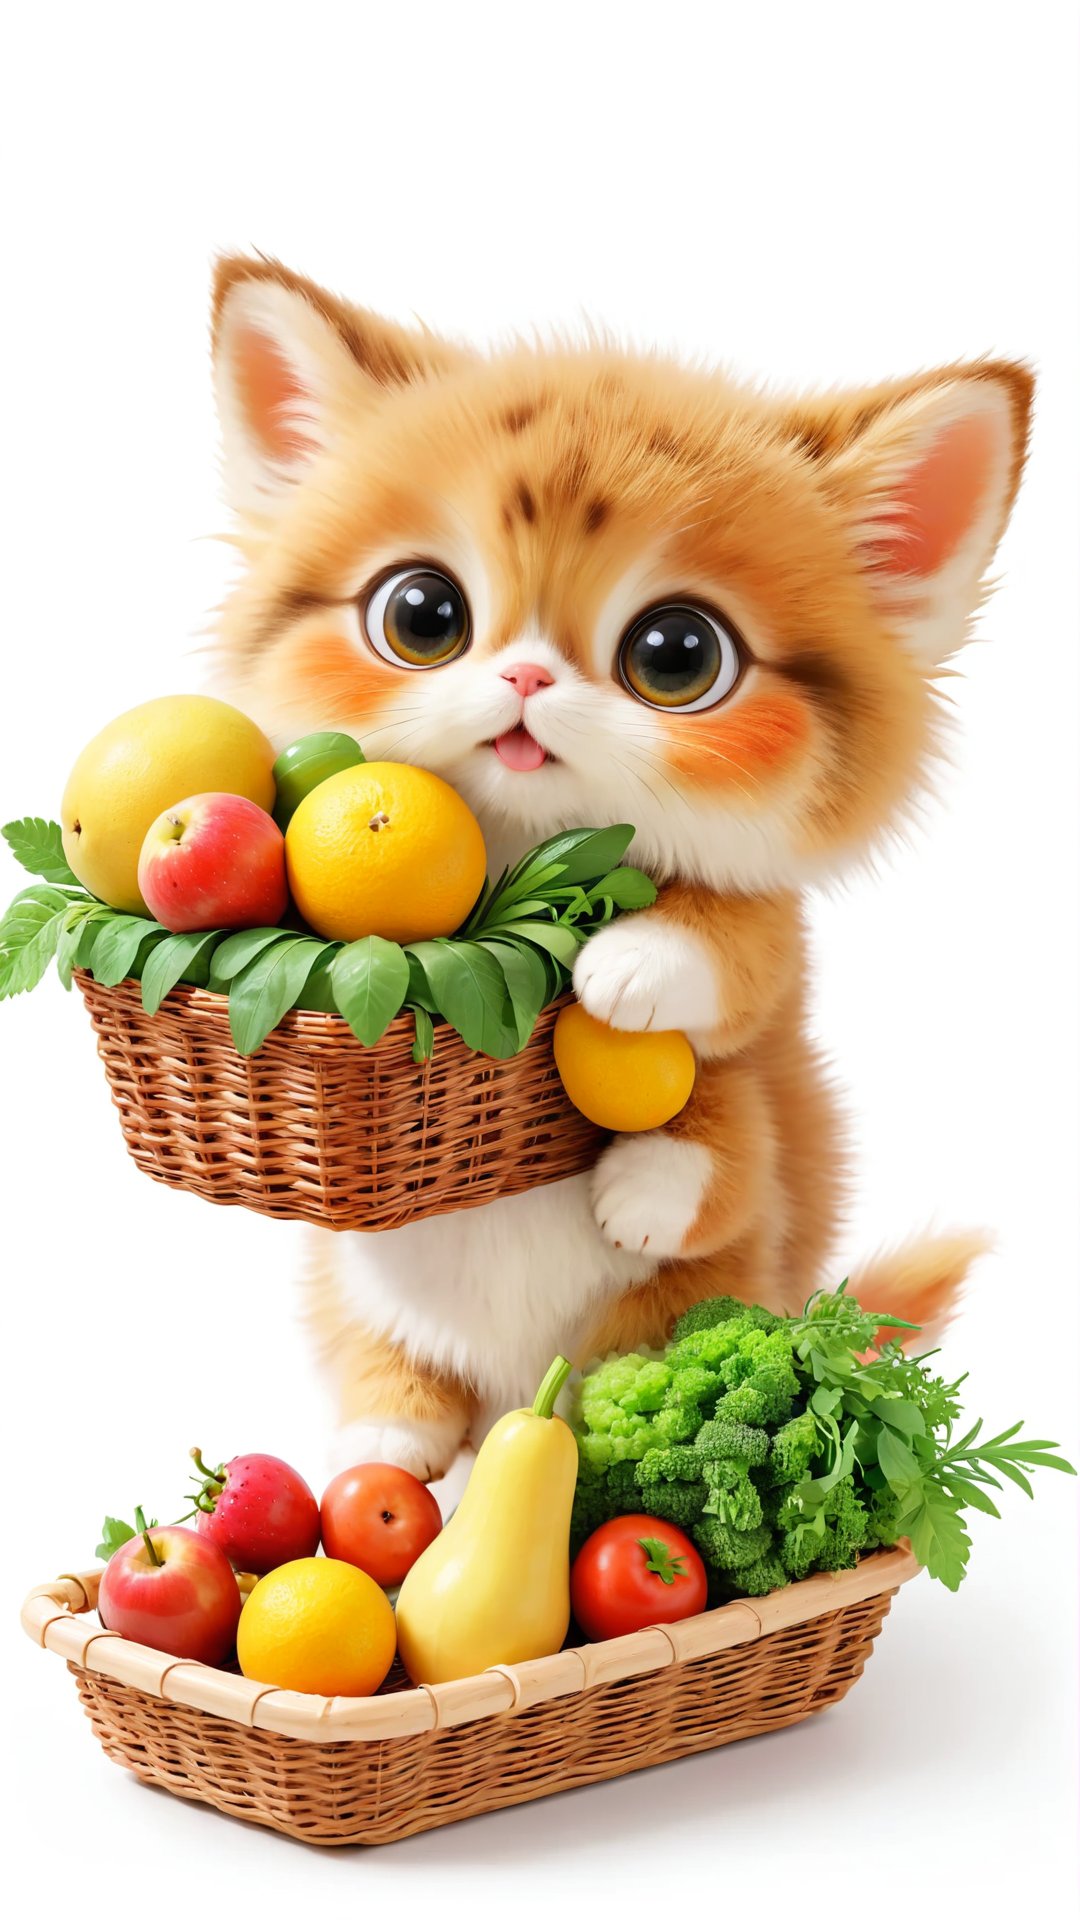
x: 526, y: 678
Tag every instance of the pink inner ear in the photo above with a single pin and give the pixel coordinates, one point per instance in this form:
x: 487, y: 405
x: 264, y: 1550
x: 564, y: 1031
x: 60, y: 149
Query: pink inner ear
x: 939, y: 500
x: 270, y: 389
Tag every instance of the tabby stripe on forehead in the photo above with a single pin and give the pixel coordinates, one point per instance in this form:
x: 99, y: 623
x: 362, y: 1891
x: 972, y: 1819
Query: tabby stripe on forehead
x: 290, y: 605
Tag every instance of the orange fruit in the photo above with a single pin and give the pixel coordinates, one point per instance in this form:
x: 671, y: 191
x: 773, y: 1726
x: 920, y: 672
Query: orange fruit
x: 384, y: 848
x: 623, y: 1082
x: 317, y: 1626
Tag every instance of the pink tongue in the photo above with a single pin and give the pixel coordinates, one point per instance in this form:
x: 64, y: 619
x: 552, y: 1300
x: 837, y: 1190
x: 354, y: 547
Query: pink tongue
x: 519, y: 750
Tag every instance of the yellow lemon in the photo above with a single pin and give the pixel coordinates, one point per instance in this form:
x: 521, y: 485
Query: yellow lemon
x: 384, y: 848
x: 317, y: 1626
x: 623, y: 1082
x: 141, y: 763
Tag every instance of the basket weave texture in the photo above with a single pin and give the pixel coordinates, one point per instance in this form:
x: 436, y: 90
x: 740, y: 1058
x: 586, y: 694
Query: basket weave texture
x: 335, y: 1772
x: 316, y: 1127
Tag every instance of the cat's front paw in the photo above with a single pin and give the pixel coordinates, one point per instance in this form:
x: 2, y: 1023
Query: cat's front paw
x: 423, y: 1447
x: 647, y: 1191
x: 646, y: 973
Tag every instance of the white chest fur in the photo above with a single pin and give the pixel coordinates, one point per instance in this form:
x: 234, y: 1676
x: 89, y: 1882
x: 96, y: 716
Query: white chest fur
x: 490, y: 1294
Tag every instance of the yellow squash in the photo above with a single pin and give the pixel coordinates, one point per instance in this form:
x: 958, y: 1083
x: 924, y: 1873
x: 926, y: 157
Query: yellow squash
x: 494, y: 1587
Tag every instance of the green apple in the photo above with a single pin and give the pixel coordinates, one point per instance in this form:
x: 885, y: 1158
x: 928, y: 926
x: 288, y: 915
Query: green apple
x: 306, y: 764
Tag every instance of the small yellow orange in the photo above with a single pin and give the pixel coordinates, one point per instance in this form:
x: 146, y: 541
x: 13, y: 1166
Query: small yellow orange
x: 623, y: 1082
x: 317, y: 1626
x: 384, y: 848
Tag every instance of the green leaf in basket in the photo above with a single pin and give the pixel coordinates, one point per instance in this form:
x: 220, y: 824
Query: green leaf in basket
x: 584, y: 854
x: 117, y: 941
x: 317, y: 993
x: 424, y: 1043
x: 419, y: 994
x: 29, y: 933
x: 561, y: 942
x: 77, y: 932
x: 370, y: 980
x: 238, y: 950
x: 626, y: 887
x: 268, y: 986
x: 168, y: 962
x: 469, y: 989
x: 38, y: 845
x: 527, y: 982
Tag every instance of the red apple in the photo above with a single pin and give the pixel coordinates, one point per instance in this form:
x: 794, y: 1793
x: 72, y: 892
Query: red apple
x: 216, y: 860
x: 379, y: 1519
x: 171, y: 1589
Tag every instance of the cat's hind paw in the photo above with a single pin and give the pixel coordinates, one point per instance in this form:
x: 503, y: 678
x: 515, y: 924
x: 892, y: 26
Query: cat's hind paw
x: 423, y: 1447
x: 647, y: 1191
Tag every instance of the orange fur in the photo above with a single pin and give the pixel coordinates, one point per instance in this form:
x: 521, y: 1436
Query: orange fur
x: 843, y: 539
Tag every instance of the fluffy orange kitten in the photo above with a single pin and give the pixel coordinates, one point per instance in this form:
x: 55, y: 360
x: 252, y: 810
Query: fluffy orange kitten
x: 587, y: 586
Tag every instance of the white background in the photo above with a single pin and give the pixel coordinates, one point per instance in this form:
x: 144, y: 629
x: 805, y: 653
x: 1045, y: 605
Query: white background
x: 824, y: 193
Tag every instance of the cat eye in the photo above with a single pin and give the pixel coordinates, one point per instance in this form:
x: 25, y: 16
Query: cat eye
x: 417, y: 617
x: 681, y: 657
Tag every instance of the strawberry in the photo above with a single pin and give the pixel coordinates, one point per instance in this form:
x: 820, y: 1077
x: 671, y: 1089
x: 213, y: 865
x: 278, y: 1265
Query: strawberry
x: 257, y: 1509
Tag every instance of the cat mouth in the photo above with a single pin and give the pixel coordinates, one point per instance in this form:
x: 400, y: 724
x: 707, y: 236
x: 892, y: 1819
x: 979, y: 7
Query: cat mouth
x: 519, y: 751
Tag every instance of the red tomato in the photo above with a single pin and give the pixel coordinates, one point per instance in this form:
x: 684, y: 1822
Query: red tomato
x: 635, y: 1572
x: 181, y: 1598
x: 379, y: 1519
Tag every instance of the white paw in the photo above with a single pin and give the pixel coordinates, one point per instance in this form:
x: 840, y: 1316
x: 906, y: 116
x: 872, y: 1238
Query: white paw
x: 423, y: 1447
x: 647, y: 1191
x: 643, y: 973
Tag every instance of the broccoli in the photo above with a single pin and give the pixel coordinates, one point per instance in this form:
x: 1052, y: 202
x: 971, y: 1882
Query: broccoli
x: 711, y: 1313
x: 743, y: 1406
x: 793, y: 1447
x: 693, y: 1386
x: 625, y: 1384
x: 732, y: 1494
x: 761, y: 1577
x: 674, y: 1424
x: 710, y: 1347
x: 846, y: 1527
x: 681, y: 1502
x: 800, y: 1548
x: 725, y: 1440
x: 622, y: 1485
x: 668, y: 1463
x: 592, y: 1506
x: 883, y: 1519
x: 726, y: 1548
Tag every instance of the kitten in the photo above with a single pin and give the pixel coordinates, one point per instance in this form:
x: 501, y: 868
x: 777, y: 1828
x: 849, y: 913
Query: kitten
x: 588, y: 586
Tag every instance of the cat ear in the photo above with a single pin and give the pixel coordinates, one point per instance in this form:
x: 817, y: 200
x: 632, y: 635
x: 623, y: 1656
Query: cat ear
x: 926, y: 473
x: 293, y: 367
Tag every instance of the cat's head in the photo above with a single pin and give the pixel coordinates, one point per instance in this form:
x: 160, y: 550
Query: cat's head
x: 589, y: 586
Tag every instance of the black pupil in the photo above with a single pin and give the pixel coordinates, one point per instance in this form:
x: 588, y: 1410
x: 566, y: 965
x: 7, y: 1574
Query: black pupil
x: 672, y: 656
x: 425, y: 617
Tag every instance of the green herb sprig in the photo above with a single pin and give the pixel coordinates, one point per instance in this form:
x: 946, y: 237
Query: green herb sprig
x: 490, y: 981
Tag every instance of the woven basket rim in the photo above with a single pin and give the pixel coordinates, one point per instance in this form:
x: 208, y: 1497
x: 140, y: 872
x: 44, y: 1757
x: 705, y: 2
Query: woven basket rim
x: 53, y: 1617
x: 302, y: 1022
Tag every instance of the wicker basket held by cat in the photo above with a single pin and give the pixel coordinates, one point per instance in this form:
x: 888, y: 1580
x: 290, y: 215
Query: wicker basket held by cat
x: 316, y: 1127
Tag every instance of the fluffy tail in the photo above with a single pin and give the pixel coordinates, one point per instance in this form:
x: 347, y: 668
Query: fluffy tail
x: 920, y: 1281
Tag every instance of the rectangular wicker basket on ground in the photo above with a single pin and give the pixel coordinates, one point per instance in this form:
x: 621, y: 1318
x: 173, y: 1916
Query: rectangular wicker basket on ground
x: 316, y: 1127
x: 341, y: 1771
